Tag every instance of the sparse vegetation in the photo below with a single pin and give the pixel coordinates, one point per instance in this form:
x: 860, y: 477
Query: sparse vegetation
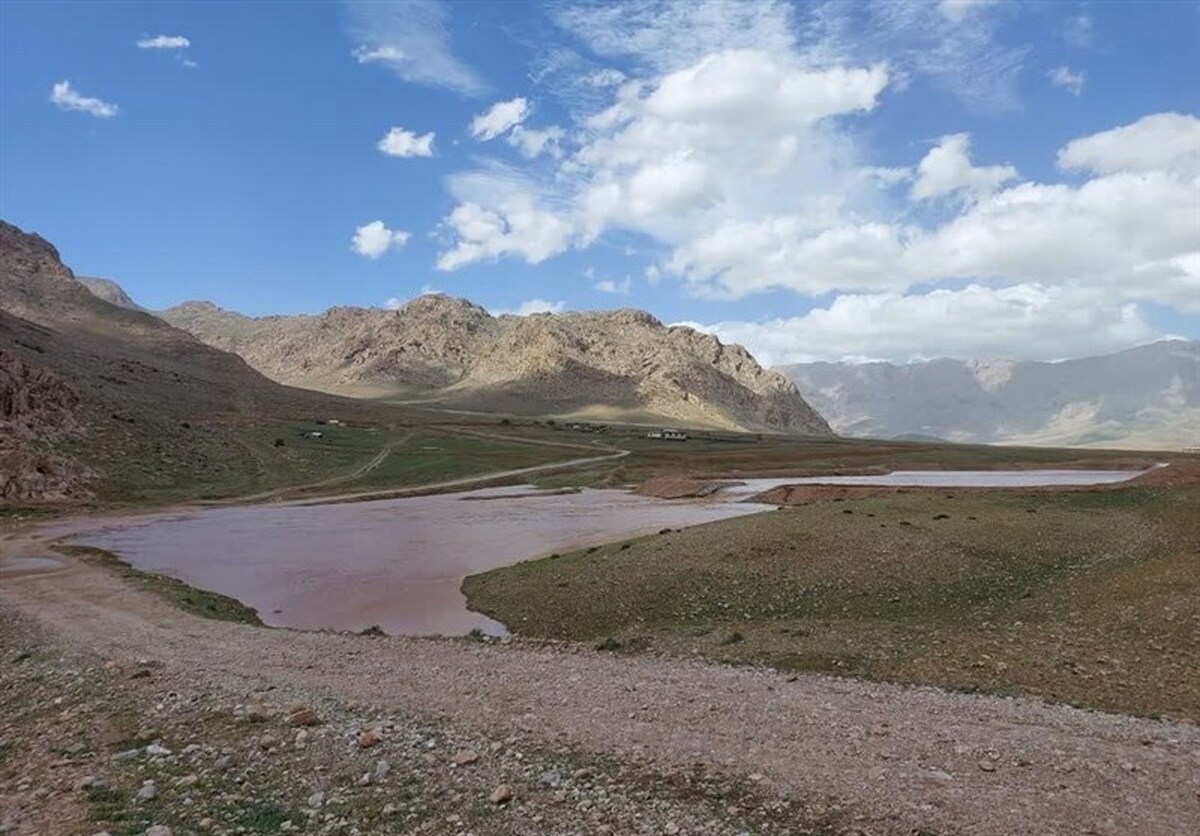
x: 187, y: 598
x: 1093, y: 600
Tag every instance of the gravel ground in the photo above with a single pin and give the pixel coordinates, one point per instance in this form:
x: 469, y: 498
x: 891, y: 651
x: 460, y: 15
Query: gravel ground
x: 860, y: 757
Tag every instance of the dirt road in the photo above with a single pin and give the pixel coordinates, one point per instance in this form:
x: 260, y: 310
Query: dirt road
x: 898, y: 759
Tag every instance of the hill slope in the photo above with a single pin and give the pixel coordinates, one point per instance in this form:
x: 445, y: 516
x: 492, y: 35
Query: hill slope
x: 609, y: 365
x: 107, y: 399
x: 1147, y: 397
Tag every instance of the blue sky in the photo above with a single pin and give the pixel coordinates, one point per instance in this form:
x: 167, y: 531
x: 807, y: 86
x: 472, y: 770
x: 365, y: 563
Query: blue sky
x: 819, y: 180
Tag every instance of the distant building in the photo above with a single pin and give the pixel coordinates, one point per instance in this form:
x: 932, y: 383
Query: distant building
x: 588, y: 428
x: 667, y: 434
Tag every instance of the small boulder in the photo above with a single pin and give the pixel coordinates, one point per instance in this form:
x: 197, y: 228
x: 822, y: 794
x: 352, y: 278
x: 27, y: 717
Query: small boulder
x: 465, y: 757
x: 501, y: 795
x: 369, y: 737
x: 301, y: 715
x: 148, y: 792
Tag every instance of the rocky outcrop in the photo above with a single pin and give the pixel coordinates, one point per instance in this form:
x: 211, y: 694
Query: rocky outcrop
x: 614, y: 364
x: 37, y: 409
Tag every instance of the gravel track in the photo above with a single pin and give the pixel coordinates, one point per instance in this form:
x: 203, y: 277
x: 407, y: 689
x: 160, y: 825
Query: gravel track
x: 899, y: 758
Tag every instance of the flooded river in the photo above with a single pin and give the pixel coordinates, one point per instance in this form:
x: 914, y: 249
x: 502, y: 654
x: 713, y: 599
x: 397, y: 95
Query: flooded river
x: 399, y: 563
x: 395, y: 563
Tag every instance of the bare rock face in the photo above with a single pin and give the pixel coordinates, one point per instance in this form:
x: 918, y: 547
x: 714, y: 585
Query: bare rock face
x: 614, y: 364
x: 37, y: 407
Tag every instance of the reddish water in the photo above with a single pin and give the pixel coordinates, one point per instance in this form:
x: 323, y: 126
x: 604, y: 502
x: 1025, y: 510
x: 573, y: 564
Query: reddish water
x: 396, y: 563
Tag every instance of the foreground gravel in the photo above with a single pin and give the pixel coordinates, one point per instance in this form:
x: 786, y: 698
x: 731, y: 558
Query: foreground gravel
x: 800, y: 752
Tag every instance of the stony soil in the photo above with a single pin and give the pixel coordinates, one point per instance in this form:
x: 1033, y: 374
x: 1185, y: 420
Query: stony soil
x: 667, y: 746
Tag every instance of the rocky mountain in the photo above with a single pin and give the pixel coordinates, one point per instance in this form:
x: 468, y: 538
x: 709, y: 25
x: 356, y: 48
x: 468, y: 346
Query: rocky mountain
x: 110, y: 291
x: 1146, y: 397
x: 617, y: 365
x: 101, y: 397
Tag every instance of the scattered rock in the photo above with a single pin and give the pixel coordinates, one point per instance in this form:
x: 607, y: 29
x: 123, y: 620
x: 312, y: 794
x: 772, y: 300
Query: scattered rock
x: 369, y: 737
x: 148, y: 792
x: 465, y: 757
x: 938, y: 777
x: 382, y: 769
x: 501, y: 795
x: 316, y: 800
x: 301, y: 715
x: 158, y: 830
x: 256, y: 711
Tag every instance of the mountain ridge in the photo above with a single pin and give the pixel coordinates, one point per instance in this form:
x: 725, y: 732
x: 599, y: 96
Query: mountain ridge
x: 1146, y: 396
x: 609, y: 365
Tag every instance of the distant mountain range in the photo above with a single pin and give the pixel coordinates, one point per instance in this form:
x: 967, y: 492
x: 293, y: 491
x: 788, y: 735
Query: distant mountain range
x: 1145, y: 397
x: 620, y: 365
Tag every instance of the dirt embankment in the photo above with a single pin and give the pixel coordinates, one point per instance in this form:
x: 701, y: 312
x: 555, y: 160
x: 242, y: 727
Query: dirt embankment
x: 681, y: 487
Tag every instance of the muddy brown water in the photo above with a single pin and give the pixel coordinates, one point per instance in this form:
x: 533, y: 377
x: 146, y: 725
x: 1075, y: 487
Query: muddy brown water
x: 394, y: 563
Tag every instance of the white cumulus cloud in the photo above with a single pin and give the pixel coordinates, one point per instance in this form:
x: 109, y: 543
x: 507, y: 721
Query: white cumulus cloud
x: 533, y: 306
x: 67, y: 97
x: 401, y: 142
x: 533, y: 143
x: 1159, y: 142
x: 374, y: 239
x: 623, y: 287
x: 1025, y: 321
x: 947, y: 169
x: 499, y: 119
x: 739, y: 133
x: 164, y: 42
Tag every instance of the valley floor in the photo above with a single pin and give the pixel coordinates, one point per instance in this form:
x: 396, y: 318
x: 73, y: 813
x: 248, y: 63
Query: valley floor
x: 97, y: 665
x: 587, y: 742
